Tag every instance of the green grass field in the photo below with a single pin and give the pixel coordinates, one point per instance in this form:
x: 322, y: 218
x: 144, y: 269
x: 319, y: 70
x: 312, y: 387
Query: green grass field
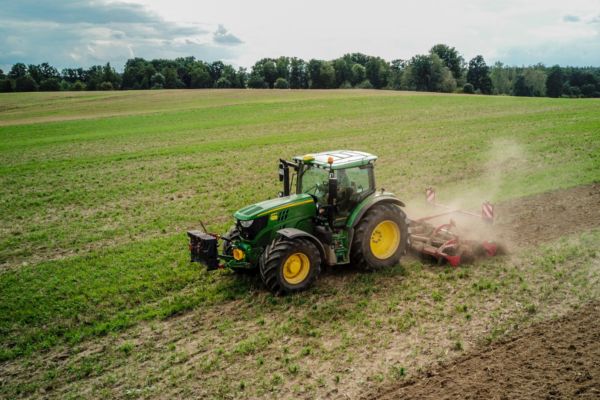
x: 98, y: 190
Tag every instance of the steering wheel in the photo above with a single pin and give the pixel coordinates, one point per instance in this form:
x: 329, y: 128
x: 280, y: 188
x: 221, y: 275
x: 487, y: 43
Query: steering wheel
x: 323, y: 187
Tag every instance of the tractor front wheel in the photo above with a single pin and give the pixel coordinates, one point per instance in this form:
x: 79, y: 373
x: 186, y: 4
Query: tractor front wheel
x: 380, y: 238
x: 289, y: 265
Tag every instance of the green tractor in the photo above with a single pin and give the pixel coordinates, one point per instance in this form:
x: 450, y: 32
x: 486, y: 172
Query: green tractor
x: 335, y: 216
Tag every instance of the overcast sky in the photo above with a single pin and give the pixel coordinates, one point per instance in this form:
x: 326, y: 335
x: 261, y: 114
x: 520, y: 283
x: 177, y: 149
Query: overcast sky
x: 81, y: 33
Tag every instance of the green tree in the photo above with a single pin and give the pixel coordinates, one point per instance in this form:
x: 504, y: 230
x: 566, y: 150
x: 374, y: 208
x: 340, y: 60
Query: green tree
x: 222, y: 83
x: 145, y: 85
x: 270, y: 73
x: 377, y: 71
x: 107, y: 86
x: 298, y: 79
x: 566, y: 90
x: 50, y: 85
x: 589, y: 90
x: 555, y: 81
x: 396, y: 72
x: 110, y: 75
x: 2, y: 76
x: 479, y: 75
x: 157, y: 86
x: 313, y: 69
x: 17, y: 71
x: 26, y: 84
x: 328, y: 75
x: 359, y: 74
x: 281, y: 83
x: 200, y: 78
x: 6, y: 86
x: 282, y: 65
x: 500, y: 80
x: 257, y: 82
x: 78, y: 86
x: 521, y: 88
x: 343, y: 71
x: 451, y: 58
x: 427, y: 73
x: 170, y: 75
x: 158, y: 79
x: 535, y: 78
x: 65, y: 86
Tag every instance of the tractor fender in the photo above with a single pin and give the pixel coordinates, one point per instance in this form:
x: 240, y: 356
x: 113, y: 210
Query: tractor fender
x: 326, y: 253
x: 364, y: 207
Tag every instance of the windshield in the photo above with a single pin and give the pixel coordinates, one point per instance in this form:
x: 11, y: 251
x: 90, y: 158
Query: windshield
x: 313, y: 181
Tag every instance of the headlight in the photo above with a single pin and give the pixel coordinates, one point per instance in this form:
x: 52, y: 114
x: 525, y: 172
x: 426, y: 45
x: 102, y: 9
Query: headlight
x: 246, y: 224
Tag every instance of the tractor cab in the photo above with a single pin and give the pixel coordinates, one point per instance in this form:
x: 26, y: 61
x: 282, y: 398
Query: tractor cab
x: 353, y: 172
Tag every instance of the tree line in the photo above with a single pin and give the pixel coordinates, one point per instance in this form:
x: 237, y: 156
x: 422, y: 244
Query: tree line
x: 443, y: 69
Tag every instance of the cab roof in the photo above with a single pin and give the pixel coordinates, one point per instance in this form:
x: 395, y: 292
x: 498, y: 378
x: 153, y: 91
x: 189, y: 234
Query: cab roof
x: 341, y: 159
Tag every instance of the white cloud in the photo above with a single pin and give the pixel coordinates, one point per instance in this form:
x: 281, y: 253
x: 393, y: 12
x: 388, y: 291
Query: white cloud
x: 562, y: 32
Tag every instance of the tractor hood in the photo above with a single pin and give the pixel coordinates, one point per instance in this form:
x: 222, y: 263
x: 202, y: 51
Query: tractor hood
x: 269, y: 206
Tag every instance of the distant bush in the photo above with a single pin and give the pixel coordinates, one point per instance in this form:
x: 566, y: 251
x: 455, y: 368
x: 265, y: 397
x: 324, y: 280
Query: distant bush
x: 26, y: 84
x: 157, y: 79
x: 281, y: 83
x: 257, y: 82
x: 106, y: 86
x: 50, y: 85
x: 366, y: 84
x: 78, y: 86
x: 157, y: 86
x: 468, y: 89
x: 65, y: 86
x: 346, y: 85
x: 222, y: 83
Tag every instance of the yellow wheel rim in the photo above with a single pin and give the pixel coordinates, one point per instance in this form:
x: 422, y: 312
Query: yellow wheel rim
x: 296, y: 268
x: 385, y: 239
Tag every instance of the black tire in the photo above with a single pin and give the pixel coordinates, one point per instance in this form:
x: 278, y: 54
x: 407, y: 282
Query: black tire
x: 233, y: 234
x: 227, y: 249
x: 273, y: 261
x: 361, y: 254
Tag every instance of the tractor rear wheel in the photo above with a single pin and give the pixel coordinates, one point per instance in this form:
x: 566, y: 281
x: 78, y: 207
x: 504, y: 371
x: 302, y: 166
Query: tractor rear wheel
x: 289, y: 265
x: 380, y: 238
x: 227, y: 248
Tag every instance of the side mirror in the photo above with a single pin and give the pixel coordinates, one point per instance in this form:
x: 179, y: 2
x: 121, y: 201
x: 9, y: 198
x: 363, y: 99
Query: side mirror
x: 281, y: 173
x: 280, y: 194
x: 333, y: 190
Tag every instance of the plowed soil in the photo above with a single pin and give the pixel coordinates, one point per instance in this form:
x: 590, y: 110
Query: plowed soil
x: 545, y: 217
x: 557, y: 359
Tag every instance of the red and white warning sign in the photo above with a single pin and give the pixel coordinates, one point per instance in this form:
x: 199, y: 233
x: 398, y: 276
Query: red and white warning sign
x: 430, y: 196
x: 487, y: 211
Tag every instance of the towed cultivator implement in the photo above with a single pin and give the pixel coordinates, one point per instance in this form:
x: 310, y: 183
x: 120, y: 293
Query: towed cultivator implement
x: 444, y: 242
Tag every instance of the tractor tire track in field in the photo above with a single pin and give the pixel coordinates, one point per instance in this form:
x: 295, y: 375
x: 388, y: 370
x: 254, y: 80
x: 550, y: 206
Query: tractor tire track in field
x: 557, y: 359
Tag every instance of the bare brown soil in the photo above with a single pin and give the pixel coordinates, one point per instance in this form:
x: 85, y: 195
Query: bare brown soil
x: 557, y: 359
x: 545, y: 217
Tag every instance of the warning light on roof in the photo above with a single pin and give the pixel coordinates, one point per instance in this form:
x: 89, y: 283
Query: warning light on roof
x: 330, y: 160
